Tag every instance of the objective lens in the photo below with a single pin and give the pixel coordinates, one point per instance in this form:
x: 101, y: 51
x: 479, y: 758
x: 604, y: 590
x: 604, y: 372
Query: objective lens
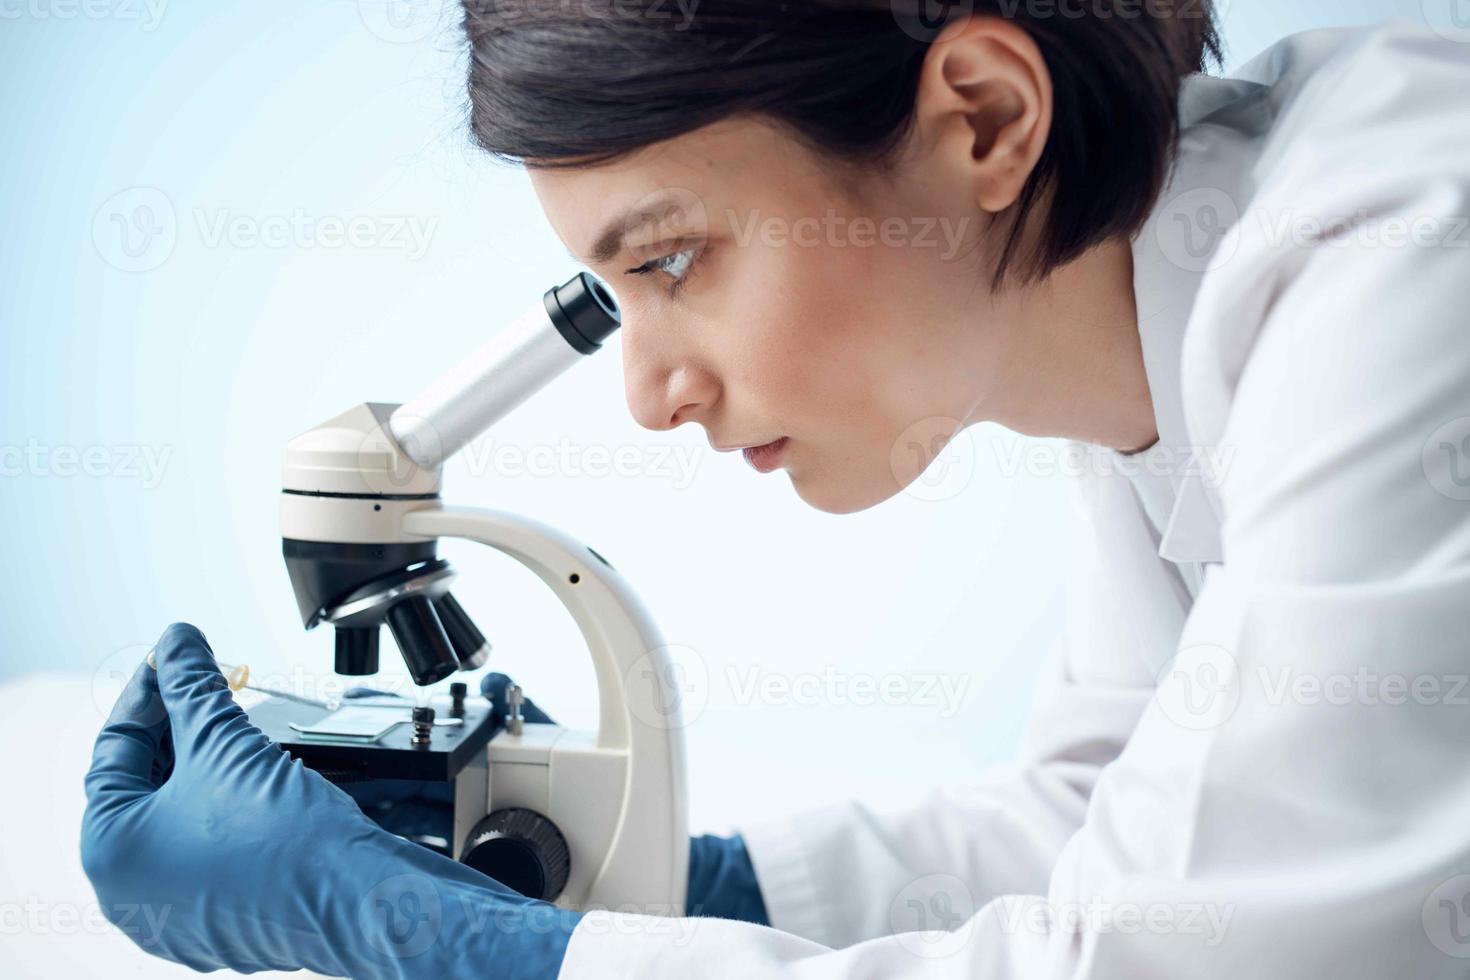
x: 468, y: 642
x: 357, y: 651
x: 422, y: 640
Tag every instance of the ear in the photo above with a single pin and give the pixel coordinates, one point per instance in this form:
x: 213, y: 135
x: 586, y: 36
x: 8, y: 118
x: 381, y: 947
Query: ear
x: 984, y: 107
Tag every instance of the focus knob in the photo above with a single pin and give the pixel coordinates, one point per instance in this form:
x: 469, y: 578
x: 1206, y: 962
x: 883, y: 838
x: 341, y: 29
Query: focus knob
x: 522, y: 850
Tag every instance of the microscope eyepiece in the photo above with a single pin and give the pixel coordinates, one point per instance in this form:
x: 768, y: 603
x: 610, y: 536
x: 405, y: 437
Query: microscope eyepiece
x: 584, y: 312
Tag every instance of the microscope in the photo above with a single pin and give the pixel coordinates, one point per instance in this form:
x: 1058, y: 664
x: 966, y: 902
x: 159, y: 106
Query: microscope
x: 584, y: 819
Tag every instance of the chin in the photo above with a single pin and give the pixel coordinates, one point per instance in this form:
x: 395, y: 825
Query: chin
x: 833, y: 495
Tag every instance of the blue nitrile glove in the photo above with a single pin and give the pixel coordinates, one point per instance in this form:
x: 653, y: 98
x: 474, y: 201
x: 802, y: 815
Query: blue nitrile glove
x: 722, y: 881
x: 247, y: 860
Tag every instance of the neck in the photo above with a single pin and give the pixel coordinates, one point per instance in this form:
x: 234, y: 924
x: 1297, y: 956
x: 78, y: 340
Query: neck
x: 1072, y: 359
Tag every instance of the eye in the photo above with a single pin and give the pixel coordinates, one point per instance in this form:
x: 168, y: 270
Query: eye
x: 676, y: 266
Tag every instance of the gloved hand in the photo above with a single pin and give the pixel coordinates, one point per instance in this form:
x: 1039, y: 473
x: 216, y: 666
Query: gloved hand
x: 252, y: 861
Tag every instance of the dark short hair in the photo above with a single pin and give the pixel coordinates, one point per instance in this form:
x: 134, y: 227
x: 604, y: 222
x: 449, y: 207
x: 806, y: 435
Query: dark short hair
x: 583, y: 82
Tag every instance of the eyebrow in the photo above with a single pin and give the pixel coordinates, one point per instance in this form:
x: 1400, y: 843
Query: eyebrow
x: 615, y: 233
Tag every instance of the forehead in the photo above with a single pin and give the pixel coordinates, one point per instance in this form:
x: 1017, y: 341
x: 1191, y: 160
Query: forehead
x: 734, y: 160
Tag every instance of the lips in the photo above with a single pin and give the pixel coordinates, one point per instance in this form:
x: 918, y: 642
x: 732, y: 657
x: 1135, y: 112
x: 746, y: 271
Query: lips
x: 766, y: 458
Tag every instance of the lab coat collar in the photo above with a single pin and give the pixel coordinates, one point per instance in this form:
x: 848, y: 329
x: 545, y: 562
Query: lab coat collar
x: 1220, y: 122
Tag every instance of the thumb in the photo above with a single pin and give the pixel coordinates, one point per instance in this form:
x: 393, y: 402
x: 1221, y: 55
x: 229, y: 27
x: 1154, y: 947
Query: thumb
x: 203, y: 712
x: 131, y: 745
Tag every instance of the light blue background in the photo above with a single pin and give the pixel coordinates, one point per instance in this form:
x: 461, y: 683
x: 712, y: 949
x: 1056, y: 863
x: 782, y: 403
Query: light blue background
x: 211, y: 357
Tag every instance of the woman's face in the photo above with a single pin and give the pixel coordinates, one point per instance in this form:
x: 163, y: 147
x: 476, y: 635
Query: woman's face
x: 780, y: 301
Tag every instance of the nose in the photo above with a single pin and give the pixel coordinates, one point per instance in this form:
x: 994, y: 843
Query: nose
x: 665, y: 398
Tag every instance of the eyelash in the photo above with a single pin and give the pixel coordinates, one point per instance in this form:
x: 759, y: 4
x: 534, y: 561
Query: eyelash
x: 660, y: 264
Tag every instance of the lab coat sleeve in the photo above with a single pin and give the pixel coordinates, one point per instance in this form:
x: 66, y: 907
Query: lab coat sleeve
x: 1295, y: 800
x: 852, y: 872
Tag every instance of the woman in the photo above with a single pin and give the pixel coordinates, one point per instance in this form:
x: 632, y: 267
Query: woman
x: 842, y: 232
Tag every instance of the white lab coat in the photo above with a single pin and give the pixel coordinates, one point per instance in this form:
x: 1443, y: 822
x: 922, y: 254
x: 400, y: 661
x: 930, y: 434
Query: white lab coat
x: 1254, y: 756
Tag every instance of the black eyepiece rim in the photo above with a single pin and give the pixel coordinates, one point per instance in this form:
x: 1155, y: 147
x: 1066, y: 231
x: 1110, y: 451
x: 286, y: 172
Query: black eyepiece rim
x: 584, y: 312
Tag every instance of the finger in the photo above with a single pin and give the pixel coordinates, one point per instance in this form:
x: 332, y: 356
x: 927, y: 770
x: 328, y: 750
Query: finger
x: 128, y: 751
x: 494, y: 686
x: 205, y: 719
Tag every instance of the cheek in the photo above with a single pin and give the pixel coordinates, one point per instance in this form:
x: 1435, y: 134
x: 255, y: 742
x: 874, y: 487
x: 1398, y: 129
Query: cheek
x: 807, y: 343
x: 851, y: 368
x: 829, y: 361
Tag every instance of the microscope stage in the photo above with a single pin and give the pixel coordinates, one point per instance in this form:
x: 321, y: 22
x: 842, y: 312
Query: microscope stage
x: 391, y: 756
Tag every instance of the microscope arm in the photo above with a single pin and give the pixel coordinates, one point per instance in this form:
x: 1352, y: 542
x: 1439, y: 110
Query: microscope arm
x: 621, y: 635
x: 639, y: 724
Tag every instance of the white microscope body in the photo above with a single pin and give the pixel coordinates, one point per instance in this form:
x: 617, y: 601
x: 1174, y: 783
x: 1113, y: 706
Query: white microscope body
x: 597, y: 820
